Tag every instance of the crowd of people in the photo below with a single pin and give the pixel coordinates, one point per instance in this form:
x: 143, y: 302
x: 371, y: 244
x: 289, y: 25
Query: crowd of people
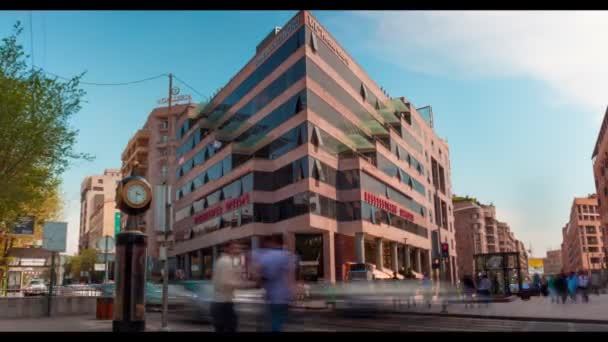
x: 564, y: 286
x: 272, y: 268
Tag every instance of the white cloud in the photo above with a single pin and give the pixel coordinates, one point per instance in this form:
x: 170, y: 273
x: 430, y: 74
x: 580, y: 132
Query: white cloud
x: 567, y: 50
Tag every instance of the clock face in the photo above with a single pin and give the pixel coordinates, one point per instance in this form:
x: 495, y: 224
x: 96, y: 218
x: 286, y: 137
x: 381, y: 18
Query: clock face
x: 137, y: 194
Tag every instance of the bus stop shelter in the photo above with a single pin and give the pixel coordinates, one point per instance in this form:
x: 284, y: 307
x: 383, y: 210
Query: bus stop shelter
x: 503, y: 270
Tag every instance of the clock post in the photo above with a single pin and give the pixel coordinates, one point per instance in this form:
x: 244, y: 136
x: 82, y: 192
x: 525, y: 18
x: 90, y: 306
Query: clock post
x: 133, y: 197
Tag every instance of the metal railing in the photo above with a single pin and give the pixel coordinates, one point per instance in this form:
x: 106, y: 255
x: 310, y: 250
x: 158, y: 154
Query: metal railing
x: 63, y: 291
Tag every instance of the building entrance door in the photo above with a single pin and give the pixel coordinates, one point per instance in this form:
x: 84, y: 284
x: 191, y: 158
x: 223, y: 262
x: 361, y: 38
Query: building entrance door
x: 309, y: 248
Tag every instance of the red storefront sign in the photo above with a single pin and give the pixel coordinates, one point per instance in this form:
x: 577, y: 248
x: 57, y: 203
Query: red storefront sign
x: 387, y: 205
x: 218, y: 210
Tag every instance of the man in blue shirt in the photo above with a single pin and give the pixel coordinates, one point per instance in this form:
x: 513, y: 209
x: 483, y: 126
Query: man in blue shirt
x: 276, y: 271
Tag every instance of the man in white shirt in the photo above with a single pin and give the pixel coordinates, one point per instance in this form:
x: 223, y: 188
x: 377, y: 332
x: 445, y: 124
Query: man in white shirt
x: 226, y: 278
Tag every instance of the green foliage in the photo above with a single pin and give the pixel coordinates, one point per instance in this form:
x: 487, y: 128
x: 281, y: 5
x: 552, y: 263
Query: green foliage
x: 84, y: 262
x: 36, y: 139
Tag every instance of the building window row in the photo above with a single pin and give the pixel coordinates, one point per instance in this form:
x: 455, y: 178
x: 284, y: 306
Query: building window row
x: 393, y: 170
x: 292, y: 75
x: 266, y: 68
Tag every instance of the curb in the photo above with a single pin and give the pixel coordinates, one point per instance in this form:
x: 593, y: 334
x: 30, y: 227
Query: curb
x: 511, y: 318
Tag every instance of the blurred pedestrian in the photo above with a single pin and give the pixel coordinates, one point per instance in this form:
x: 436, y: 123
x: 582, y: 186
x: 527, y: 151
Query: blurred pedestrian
x: 427, y: 289
x: 226, y: 278
x: 275, y: 269
x: 572, y: 286
x: 551, y: 289
x: 469, y: 290
x: 484, y: 288
x: 561, y: 285
x: 583, y: 286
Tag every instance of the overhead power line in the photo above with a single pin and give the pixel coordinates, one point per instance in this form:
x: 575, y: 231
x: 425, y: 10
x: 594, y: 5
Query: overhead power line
x: 189, y: 86
x: 104, y: 84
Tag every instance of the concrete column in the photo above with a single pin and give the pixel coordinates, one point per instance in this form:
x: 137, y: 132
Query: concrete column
x: 395, y: 256
x: 329, y: 258
x: 188, y: 269
x: 379, y: 261
x: 215, y: 251
x: 408, y: 261
x: 418, y: 261
x: 201, y: 264
x: 289, y: 241
x: 359, y: 248
x: 255, y: 242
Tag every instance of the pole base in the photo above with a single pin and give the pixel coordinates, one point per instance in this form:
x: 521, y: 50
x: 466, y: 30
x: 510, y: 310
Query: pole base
x: 128, y: 326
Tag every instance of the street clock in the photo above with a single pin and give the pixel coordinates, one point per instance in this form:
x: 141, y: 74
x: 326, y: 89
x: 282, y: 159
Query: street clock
x: 134, y: 195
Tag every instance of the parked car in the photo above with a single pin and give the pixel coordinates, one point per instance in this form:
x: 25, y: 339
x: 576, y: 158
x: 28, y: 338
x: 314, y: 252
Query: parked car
x: 247, y: 302
x: 177, y: 296
x: 36, y: 287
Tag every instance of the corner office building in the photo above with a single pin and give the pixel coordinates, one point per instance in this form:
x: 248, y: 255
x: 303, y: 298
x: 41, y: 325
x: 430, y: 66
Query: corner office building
x: 301, y: 143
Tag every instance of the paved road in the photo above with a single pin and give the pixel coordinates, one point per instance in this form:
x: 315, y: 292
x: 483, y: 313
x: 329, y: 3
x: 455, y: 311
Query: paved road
x: 325, y: 321
x: 317, y: 321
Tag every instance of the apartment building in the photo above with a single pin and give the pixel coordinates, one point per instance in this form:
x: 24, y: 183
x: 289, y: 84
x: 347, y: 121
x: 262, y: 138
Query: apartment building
x: 582, y: 238
x: 97, y: 207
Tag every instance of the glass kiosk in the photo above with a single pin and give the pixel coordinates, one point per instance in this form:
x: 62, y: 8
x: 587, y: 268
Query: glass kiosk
x: 503, y: 270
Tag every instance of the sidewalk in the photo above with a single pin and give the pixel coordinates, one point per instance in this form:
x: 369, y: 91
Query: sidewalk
x: 88, y: 323
x: 537, y: 308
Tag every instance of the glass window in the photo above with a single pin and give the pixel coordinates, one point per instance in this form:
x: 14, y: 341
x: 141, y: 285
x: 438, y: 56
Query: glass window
x: 590, y: 229
x: 341, y: 95
x: 247, y: 183
x: 232, y: 190
x: 591, y: 240
x: 348, y: 179
x: 284, y: 143
x: 272, y: 91
x: 227, y: 165
x: 246, y: 214
x: 213, y: 198
x: 214, y: 172
x: 267, y: 67
x: 278, y: 116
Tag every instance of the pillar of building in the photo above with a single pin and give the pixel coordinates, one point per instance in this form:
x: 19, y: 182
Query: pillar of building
x: 201, y: 264
x: 418, y: 260
x: 329, y: 258
x: 359, y: 248
x: 188, y: 269
x: 379, y: 259
x: 255, y: 242
x: 408, y: 262
x: 289, y: 241
x: 395, y: 256
x: 215, y: 253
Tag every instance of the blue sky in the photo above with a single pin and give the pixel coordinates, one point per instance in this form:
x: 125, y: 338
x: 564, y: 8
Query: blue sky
x: 519, y: 96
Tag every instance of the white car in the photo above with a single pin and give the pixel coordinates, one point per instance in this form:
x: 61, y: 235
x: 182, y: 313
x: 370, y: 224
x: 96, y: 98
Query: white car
x: 36, y: 287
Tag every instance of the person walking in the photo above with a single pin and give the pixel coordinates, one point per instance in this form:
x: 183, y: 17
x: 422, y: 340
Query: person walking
x: 583, y: 286
x: 552, y: 290
x: 572, y: 286
x: 275, y: 268
x: 226, y: 278
x: 561, y: 286
x: 469, y: 290
x: 484, y: 289
x: 427, y: 289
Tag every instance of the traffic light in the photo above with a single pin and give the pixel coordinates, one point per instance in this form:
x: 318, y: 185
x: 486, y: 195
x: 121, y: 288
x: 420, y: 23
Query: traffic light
x: 445, y: 250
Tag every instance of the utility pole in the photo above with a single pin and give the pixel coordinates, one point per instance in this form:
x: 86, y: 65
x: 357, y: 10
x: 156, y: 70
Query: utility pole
x: 163, y: 249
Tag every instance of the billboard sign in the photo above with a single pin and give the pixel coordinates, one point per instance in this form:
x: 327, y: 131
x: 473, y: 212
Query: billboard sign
x: 24, y: 226
x: 54, y: 236
x: 536, y: 265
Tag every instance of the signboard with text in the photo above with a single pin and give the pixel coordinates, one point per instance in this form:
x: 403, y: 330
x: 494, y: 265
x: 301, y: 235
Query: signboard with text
x: 54, y: 236
x: 387, y: 205
x: 536, y: 265
x: 24, y: 226
x: 226, y: 206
